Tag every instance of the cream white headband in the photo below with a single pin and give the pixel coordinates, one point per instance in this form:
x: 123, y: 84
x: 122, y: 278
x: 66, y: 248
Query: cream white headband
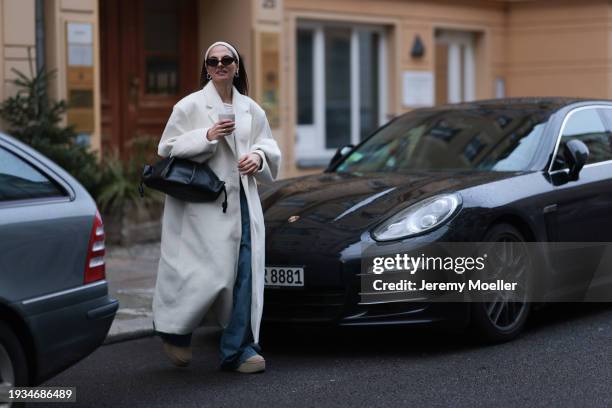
x: 232, y: 49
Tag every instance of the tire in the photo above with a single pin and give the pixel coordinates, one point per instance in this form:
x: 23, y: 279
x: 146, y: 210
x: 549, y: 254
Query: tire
x: 13, y: 363
x: 487, y: 323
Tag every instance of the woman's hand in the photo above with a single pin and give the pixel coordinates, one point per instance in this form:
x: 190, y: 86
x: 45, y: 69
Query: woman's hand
x: 220, y: 129
x: 249, y: 164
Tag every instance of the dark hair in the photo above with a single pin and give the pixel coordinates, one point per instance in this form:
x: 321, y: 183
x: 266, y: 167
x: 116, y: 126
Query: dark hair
x: 241, y: 82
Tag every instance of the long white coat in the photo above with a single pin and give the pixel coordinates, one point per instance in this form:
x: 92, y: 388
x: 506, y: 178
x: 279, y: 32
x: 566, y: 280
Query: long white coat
x: 199, y: 243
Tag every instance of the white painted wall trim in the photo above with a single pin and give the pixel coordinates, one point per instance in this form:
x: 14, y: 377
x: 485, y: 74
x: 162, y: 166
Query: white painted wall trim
x: 454, y: 73
x: 383, y: 93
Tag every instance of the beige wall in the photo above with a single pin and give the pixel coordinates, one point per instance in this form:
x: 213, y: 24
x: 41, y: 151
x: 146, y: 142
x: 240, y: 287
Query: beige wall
x: 57, y: 14
x: 538, y: 47
x: 269, y: 20
x: 17, y: 36
x: 18, y: 42
x: 403, y: 21
x: 560, y: 48
x: 226, y: 21
x: 240, y: 22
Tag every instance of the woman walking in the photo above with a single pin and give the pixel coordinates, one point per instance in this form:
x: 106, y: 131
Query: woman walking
x: 211, y: 260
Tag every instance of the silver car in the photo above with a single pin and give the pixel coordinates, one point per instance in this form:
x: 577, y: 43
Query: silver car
x: 54, y: 302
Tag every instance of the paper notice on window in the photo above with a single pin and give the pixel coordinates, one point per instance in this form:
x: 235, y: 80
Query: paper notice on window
x: 80, y: 44
x: 418, y: 89
x: 80, y: 55
x: 80, y: 33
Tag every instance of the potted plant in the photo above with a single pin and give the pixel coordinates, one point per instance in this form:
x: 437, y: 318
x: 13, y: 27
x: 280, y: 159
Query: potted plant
x: 129, y: 218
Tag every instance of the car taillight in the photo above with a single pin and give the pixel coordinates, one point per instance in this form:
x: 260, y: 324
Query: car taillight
x: 95, y: 268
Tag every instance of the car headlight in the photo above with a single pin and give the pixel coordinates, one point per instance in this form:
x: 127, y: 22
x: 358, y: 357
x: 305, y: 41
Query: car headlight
x: 418, y: 218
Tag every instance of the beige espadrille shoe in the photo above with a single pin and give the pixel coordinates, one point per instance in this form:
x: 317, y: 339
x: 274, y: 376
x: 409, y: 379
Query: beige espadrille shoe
x: 180, y: 356
x: 255, y: 364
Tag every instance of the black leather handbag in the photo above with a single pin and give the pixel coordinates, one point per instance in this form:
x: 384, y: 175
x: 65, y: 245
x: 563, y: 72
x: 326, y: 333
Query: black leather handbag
x: 183, y: 179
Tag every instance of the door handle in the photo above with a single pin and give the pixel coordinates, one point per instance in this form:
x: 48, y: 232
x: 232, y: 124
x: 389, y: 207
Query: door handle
x: 549, y: 208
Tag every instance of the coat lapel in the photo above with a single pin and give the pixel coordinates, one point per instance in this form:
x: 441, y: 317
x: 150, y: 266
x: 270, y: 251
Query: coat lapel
x: 238, y: 141
x: 243, y: 122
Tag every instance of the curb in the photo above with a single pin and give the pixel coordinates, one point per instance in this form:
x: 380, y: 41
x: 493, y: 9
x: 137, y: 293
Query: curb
x: 132, y: 335
x: 129, y: 329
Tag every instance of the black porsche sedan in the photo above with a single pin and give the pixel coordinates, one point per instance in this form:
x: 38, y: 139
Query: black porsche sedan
x: 519, y: 170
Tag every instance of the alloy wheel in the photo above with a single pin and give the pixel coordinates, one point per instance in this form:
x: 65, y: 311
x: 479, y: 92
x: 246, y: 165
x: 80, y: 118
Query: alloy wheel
x: 511, y: 259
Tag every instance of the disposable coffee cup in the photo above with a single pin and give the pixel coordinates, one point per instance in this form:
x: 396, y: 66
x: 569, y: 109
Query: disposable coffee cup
x: 226, y: 116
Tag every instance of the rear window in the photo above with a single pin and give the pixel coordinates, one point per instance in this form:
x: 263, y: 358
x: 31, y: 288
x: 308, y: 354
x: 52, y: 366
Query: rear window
x: 20, y: 181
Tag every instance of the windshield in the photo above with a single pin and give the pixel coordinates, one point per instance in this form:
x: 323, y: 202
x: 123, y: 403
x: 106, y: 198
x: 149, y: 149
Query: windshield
x: 459, y: 139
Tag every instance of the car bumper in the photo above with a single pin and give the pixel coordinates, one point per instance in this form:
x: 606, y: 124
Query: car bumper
x: 331, y: 294
x: 329, y: 308
x: 68, y: 326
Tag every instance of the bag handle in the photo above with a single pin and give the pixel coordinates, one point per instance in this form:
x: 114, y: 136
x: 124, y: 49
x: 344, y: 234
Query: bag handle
x: 145, y: 169
x: 224, y: 205
x: 193, y: 171
x: 166, y: 169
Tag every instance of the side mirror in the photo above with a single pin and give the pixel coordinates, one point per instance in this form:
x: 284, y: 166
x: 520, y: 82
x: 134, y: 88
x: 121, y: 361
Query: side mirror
x: 340, y: 153
x: 576, y: 154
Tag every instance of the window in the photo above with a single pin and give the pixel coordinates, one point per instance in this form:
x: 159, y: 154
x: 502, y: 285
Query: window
x: 337, y: 87
x: 161, y: 47
x: 369, y: 90
x: 340, y: 87
x: 607, y: 117
x: 455, y: 68
x: 305, y: 74
x: 20, y: 181
x: 586, y: 125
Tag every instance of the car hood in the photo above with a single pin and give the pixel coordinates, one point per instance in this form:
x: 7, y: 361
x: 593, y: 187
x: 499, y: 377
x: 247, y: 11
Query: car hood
x: 319, y: 207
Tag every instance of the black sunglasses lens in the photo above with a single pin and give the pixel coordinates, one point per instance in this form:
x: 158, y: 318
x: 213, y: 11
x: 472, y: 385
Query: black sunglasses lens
x: 212, y: 62
x: 227, y: 60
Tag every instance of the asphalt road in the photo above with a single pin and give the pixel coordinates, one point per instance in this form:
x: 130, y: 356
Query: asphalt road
x: 563, y: 359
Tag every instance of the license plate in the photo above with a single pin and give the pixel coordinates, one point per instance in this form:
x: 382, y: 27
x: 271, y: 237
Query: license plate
x: 284, y: 276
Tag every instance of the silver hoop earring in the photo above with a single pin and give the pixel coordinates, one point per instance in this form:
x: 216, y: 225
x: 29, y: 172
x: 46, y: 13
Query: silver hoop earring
x: 236, y: 74
x: 208, y: 76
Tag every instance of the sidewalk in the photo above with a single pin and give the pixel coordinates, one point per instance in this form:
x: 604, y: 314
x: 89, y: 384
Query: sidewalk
x: 131, y: 273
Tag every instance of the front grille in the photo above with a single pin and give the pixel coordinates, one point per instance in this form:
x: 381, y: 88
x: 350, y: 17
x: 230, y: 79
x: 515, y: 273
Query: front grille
x: 303, y: 306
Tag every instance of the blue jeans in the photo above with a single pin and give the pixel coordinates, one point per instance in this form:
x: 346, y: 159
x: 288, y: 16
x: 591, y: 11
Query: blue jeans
x: 236, y: 344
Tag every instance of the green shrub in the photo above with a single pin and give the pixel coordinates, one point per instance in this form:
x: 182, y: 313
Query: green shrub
x: 35, y: 119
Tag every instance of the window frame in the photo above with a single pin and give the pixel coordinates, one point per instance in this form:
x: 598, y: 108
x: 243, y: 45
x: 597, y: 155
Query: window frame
x: 568, y: 115
x: 314, y: 153
x: 64, y: 187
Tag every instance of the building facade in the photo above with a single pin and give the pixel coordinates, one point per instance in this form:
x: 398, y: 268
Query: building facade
x: 327, y: 72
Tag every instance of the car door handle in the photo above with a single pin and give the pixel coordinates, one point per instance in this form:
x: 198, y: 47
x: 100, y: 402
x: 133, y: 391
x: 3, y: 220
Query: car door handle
x: 549, y: 208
